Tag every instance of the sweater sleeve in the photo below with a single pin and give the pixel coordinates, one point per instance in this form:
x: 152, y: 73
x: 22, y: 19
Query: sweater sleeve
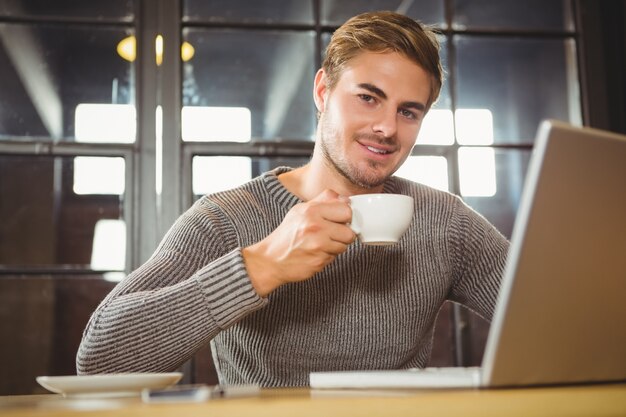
x: 194, y: 286
x: 479, y: 257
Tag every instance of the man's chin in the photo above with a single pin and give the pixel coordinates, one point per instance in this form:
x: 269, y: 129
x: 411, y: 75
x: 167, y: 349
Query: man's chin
x: 368, y: 180
x: 367, y: 175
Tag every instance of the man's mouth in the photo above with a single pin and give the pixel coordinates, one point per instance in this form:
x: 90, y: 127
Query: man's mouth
x: 378, y: 150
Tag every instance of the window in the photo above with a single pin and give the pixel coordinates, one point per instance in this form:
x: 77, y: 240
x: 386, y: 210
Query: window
x: 268, y: 72
x: 67, y: 125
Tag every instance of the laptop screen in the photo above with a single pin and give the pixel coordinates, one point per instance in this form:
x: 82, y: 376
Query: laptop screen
x: 560, y: 314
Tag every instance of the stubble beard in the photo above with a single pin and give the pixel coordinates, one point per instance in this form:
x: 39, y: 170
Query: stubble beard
x: 362, y: 178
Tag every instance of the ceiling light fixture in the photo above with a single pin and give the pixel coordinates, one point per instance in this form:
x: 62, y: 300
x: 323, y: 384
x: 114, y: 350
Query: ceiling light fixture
x: 127, y: 49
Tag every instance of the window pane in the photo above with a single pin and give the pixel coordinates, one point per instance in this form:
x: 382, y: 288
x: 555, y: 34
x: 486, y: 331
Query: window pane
x: 96, y: 123
x: 335, y: 12
x: 269, y: 73
x: 520, y: 81
x: 474, y: 126
x: 501, y: 208
x: 429, y: 170
x: 48, y: 71
x: 258, y: 11
x: 208, y: 171
x: 46, y: 223
x: 512, y: 14
x: 477, y: 172
x: 437, y: 128
x: 98, y: 175
x: 202, y: 123
x: 109, y: 245
x: 100, y: 9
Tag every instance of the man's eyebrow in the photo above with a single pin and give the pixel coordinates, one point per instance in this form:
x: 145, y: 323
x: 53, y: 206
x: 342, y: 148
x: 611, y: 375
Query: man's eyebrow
x: 373, y: 89
x: 380, y: 93
x: 414, y: 105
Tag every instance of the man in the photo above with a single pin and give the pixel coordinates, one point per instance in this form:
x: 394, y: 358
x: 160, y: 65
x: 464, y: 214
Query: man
x: 270, y: 272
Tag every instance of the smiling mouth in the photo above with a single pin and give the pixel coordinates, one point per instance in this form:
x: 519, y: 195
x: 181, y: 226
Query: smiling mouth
x: 378, y: 151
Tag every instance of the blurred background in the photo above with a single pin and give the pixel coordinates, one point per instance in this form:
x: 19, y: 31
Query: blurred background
x: 115, y: 115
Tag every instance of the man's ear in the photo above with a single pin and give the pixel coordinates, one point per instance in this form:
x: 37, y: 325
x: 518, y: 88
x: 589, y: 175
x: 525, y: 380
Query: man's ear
x: 319, y: 90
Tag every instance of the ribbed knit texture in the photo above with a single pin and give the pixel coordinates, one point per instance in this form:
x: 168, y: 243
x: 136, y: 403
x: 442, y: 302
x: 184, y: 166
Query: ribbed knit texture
x: 374, y: 307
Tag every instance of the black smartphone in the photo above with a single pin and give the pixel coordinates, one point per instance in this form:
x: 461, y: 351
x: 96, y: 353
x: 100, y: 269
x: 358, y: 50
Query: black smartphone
x: 198, y: 393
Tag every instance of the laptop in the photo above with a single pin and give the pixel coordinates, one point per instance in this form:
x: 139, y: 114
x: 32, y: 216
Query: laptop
x: 560, y: 317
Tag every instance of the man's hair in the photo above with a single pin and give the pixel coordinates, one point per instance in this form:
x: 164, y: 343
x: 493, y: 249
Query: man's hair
x: 380, y: 32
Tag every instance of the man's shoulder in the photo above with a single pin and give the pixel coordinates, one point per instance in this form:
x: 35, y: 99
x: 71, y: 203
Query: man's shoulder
x: 243, y: 194
x: 421, y: 191
x: 255, y: 193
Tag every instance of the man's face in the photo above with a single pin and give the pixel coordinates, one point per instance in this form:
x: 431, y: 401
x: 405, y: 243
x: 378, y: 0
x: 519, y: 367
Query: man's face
x: 370, y: 120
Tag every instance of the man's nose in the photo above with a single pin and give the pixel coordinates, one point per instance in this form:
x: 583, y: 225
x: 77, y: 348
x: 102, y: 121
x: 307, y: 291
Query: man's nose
x: 386, y: 123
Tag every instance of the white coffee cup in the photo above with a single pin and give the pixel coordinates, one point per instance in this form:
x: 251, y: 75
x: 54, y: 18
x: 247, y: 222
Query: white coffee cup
x: 380, y: 219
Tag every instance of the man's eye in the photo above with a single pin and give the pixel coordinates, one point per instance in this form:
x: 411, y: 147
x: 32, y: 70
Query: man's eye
x: 366, y: 97
x: 408, y: 114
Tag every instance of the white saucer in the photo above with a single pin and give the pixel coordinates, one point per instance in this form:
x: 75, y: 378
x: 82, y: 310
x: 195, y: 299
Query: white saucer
x: 108, y: 385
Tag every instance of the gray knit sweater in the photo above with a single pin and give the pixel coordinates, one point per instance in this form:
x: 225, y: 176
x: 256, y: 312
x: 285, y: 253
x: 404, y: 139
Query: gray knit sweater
x: 374, y: 307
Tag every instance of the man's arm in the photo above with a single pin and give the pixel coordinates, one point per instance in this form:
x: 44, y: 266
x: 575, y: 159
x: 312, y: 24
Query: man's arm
x: 191, y: 289
x: 158, y: 316
x: 479, y: 253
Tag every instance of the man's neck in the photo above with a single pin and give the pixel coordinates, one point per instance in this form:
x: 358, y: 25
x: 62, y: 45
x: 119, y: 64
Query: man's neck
x: 308, y: 181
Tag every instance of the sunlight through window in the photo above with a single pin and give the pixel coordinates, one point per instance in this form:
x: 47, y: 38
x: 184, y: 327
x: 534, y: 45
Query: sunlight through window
x: 99, y: 175
x: 212, y: 174
x: 211, y: 124
x: 428, y: 170
x: 98, y: 123
x: 109, y: 246
x: 477, y: 171
x: 437, y: 128
x: 474, y: 126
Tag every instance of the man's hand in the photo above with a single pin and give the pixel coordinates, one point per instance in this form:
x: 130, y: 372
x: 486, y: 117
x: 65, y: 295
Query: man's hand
x: 310, y: 237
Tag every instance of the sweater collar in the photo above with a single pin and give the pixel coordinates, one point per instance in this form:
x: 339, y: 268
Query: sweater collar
x: 287, y: 199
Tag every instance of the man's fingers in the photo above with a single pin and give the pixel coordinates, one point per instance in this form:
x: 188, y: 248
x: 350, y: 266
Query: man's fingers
x: 336, y: 248
x: 331, y: 206
x: 343, y: 234
x: 336, y: 212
